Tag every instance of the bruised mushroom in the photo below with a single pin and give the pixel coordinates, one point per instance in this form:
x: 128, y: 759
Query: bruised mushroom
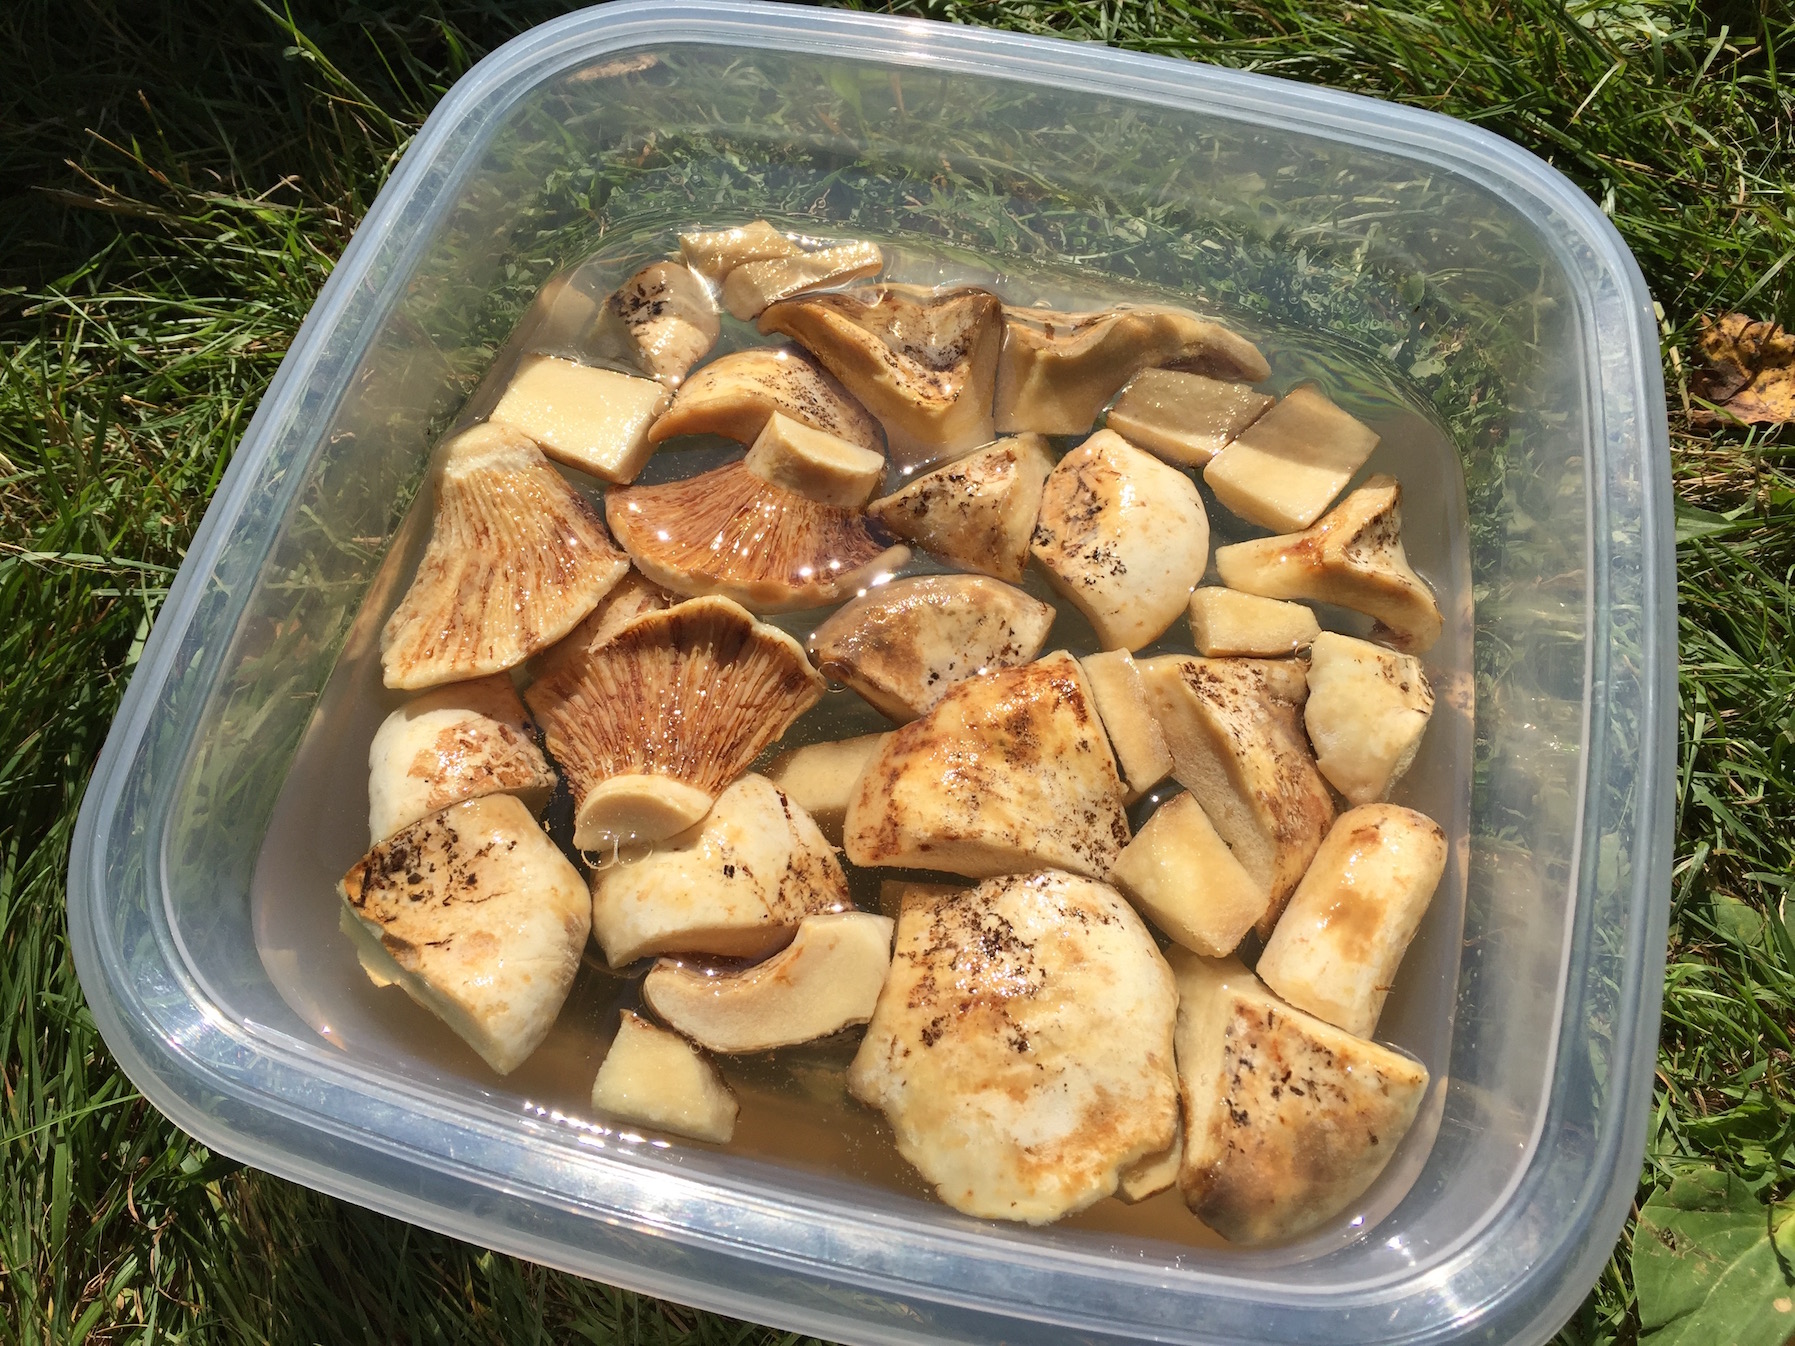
x: 814, y: 463
x: 752, y: 286
x: 1184, y: 418
x: 657, y: 1079
x: 978, y: 511
x: 594, y: 419
x: 1367, y: 710
x: 715, y: 254
x: 1288, y: 466
x: 733, y: 395
x: 663, y: 319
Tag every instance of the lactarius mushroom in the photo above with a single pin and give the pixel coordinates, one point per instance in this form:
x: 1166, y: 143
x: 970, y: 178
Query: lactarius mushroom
x: 979, y: 511
x: 752, y: 286
x: 1133, y: 731
x: 663, y: 319
x: 1123, y: 537
x: 735, y: 885
x: 1225, y: 623
x: 1287, y: 1120
x: 1367, y: 710
x: 1182, y: 875
x: 1184, y: 418
x: 1288, y: 466
x: 1022, y: 1046
x: 1010, y: 771
x: 453, y: 743
x: 924, y: 362
x: 652, y: 724
x: 1341, y: 939
x: 814, y: 463
x: 476, y: 914
x: 1352, y: 557
x: 819, y: 777
x: 1237, y: 746
x: 827, y: 979
x: 728, y: 532
x: 904, y: 644
x: 1151, y: 1175
x: 516, y: 558
x: 734, y: 394
x: 715, y: 254
x: 657, y: 1079
x: 594, y: 419
x: 1058, y: 369
x: 629, y: 598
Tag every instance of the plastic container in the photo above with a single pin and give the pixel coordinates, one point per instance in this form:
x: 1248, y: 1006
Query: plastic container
x: 1504, y: 301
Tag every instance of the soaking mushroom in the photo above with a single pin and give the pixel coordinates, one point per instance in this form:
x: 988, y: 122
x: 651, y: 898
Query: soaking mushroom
x: 752, y: 286
x: 1184, y: 418
x: 734, y: 394
x: 657, y: 1079
x: 1288, y: 466
x: 814, y: 463
x: 663, y: 320
x: 978, y: 511
x: 819, y: 777
x: 1367, y: 710
x: 1225, y: 623
x: 1133, y: 731
x: 1183, y: 877
x: 594, y: 419
x: 715, y: 254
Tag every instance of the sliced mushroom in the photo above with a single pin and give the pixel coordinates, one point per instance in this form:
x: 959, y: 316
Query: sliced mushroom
x: 1183, y: 877
x: 825, y: 980
x: 714, y: 255
x: 752, y: 286
x: 594, y: 419
x: 1123, y: 537
x: 1151, y: 1175
x: 453, y: 743
x: 1058, y: 369
x: 1288, y: 466
x: 1367, y: 710
x: 819, y: 777
x: 663, y: 320
x: 1133, y: 731
x: 1354, y: 558
x: 1010, y: 771
x: 629, y: 598
x: 1022, y: 1046
x: 657, y: 1079
x: 1225, y: 623
x: 1184, y: 418
x: 734, y: 885
x: 904, y: 644
x: 979, y: 511
x: 815, y: 463
x: 728, y: 532
x: 1238, y: 747
x: 1337, y: 948
x: 516, y: 558
x: 734, y: 394
x: 923, y: 361
x: 652, y: 724
x: 476, y: 914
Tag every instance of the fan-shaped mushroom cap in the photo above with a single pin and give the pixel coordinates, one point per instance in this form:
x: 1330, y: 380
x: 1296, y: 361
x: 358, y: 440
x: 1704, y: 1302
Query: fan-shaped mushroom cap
x: 1184, y: 418
x: 1352, y: 557
x: 516, y: 558
x: 923, y: 361
x: 664, y: 321
x: 1367, y: 710
x: 594, y: 419
x: 978, y: 511
x: 655, y: 1078
x: 652, y: 724
x: 715, y: 254
x: 752, y: 286
x: 728, y: 532
x: 734, y: 394
x: 1058, y: 369
x: 632, y: 596
x: 1288, y: 466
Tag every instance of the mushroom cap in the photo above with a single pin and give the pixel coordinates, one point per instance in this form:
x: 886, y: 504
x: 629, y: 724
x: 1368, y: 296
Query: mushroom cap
x: 516, y: 558
x: 728, y: 532
x: 978, y: 511
x: 734, y: 394
x: 666, y: 319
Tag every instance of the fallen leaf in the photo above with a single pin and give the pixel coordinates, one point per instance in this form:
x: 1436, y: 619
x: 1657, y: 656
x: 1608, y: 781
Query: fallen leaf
x: 1750, y: 374
x: 1711, y: 1265
x: 1738, y: 921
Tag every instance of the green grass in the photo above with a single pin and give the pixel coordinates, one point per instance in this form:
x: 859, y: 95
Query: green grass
x: 178, y: 179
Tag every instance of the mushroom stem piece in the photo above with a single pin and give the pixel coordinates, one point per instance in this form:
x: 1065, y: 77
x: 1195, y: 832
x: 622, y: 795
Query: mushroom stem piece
x: 657, y: 1079
x: 815, y: 463
x: 664, y: 320
x: 1288, y: 466
x: 1367, y: 710
x: 594, y: 419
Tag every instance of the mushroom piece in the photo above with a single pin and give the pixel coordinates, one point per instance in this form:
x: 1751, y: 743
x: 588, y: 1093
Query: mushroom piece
x: 652, y: 724
x: 1151, y: 1175
x: 476, y: 914
x: 1133, y: 731
x: 735, y: 885
x: 1337, y: 948
x: 752, y: 286
x: 1367, y: 710
x: 663, y: 320
x: 979, y: 511
x: 1225, y: 623
x: 715, y: 254
x: 1287, y: 1120
x: 827, y: 979
x: 657, y: 1079
x: 453, y: 743
x: 904, y: 644
x: 1022, y: 1046
x: 516, y: 558
x: 632, y: 596
x: 728, y: 532
x: 819, y: 777
x: 1288, y: 466
x: 1352, y: 557
x: 594, y: 419
x: 1058, y: 369
x: 1009, y: 772
x: 1238, y: 747
x: 923, y: 361
x: 815, y: 463
x: 734, y: 395
x: 1184, y: 418
x: 1183, y: 877
x: 1123, y: 537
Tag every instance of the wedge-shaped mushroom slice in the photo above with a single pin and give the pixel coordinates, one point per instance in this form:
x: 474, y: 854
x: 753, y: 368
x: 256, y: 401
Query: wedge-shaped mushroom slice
x: 594, y: 419
x: 1022, y: 1047
x: 1367, y: 710
x: 1287, y: 1120
x: 629, y: 598
x: 923, y: 361
x: 1352, y: 557
x: 1123, y: 537
x: 663, y: 320
x: 1184, y: 418
x: 1133, y: 731
x: 735, y: 885
x: 1289, y: 464
x: 902, y: 645
x: 652, y: 724
x: 728, y: 532
x: 1226, y: 623
x: 657, y: 1079
x: 516, y: 558
x: 1010, y: 771
x: 1183, y: 877
x: 477, y: 915
x: 815, y: 463
x: 715, y: 254
x: 453, y: 743
x: 1238, y: 747
x: 752, y: 286
x: 825, y: 980
x: 1058, y: 369
x: 734, y: 394
x: 820, y: 777
x: 1337, y: 948
x: 1156, y: 1172
x: 978, y: 512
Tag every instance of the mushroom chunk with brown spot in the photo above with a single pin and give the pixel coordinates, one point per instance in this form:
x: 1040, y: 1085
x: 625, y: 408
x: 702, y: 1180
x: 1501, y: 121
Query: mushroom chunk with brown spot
x: 820, y: 777
x: 978, y: 511
x: 714, y: 254
x: 1288, y: 466
x: 663, y: 320
x: 1367, y: 710
x: 1184, y: 418
x: 516, y: 558
x: 734, y: 395
x: 655, y: 1078
x: 1022, y: 1046
x: 904, y: 644
x: 752, y: 286
x: 596, y: 420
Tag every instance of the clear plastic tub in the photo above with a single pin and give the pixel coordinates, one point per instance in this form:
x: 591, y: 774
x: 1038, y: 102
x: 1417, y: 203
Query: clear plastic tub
x: 1511, y: 317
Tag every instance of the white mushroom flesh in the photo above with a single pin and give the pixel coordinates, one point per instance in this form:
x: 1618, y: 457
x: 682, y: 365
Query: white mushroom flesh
x: 1183, y: 418
x: 1368, y: 708
x: 979, y: 511
x: 1288, y: 466
x: 655, y: 1078
x: 594, y: 419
